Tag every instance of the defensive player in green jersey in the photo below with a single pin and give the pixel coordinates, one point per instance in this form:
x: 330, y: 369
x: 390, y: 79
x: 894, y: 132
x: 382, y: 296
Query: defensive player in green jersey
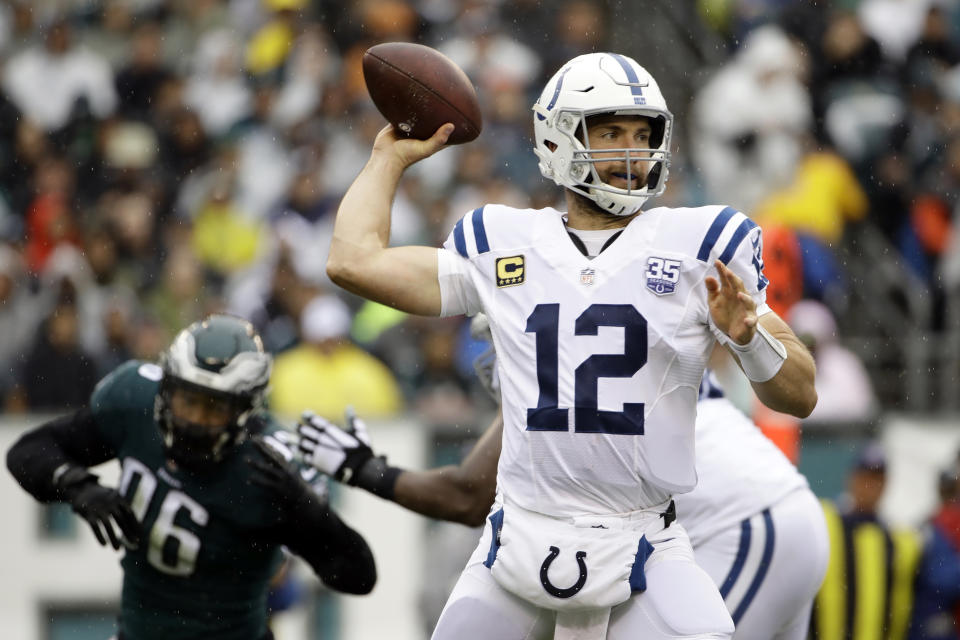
x: 207, y: 493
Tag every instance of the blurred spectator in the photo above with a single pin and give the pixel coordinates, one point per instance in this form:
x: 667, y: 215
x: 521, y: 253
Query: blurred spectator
x: 224, y: 237
x: 181, y: 294
x: 303, y: 222
x: 750, y: 119
x: 20, y: 313
x: 26, y: 148
x: 184, y: 144
x: 821, y: 199
x: 844, y: 390
x: 139, y: 81
x: 482, y: 48
x: 854, y: 88
x: 57, y: 374
x: 443, y: 385
x: 217, y: 90
x: 326, y: 373
x: 47, y: 82
x: 868, y: 589
x: 896, y: 25
x: 50, y: 218
x: 270, y: 46
x: 783, y: 267
x: 272, y: 295
x: 936, y: 613
x: 131, y: 217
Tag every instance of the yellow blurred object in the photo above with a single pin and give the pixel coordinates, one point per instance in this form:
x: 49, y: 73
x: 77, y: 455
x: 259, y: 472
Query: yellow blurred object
x: 329, y: 381
x: 269, y: 47
x: 373, y: 319
x: 822, y: 198
x: 223, y: 239
x: 285, y: 5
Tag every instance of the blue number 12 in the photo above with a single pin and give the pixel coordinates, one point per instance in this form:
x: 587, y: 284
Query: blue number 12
x: 544, y: 323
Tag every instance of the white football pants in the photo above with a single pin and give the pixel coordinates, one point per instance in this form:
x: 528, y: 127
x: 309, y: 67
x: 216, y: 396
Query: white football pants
x: 770, y: 566
x: 681, y: 602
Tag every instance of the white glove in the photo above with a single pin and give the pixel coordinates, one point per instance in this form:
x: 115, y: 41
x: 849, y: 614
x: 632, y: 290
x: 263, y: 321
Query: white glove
x: 337, y: 452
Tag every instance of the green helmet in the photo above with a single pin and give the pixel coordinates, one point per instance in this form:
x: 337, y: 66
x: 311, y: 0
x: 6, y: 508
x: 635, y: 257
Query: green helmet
x: 221, y: 361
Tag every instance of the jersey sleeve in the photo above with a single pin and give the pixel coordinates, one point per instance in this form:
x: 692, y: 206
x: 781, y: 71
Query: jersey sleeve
x: 458, y: 290
x: 127, y: 391
x: 737, y: 241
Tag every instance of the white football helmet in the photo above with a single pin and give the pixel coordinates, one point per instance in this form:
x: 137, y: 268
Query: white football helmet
x: 591, y: 84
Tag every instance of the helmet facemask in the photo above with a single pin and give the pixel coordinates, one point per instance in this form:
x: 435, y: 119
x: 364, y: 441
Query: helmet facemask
x: 195, y: 446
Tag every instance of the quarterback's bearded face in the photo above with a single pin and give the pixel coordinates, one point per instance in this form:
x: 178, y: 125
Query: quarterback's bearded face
x: 620, y: 133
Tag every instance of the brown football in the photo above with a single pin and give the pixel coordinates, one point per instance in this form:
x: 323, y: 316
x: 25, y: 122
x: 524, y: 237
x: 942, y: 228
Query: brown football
x: 417, y: 89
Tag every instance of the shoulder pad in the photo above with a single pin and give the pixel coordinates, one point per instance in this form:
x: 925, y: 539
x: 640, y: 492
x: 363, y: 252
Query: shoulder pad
x: 493, y: 227
x: 131, y: 386
x: 723, y: 237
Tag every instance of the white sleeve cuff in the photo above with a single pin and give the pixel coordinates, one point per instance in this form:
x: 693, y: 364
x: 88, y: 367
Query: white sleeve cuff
x: 455, y: 285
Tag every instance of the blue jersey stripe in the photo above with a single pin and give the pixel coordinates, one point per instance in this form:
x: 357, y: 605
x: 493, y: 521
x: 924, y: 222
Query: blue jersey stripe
x: 479, y: 232
x: 745, y: 227
x: 459, y: 240
x: 738, y: 562
x: 556, y: 93
x: 713, y: 233
x: 761, y: 570
x: 635, y: 89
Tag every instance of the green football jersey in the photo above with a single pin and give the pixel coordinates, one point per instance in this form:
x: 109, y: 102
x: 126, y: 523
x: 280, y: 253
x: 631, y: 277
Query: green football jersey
x: 209, y: 547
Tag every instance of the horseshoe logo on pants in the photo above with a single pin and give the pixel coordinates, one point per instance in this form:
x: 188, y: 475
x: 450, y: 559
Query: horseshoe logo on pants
x: 569, y: 592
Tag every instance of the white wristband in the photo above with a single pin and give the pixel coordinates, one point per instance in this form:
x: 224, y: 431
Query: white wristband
x: 762, y: 357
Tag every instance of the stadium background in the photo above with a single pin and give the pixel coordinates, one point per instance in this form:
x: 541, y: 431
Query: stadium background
x: 159, y: 160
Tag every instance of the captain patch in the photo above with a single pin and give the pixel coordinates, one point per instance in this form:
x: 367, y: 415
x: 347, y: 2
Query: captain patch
x: 510, y: 271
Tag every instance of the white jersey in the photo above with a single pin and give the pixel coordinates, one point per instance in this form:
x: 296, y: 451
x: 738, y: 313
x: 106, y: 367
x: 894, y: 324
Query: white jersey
x: 741, y: 472
x: 600, y: 360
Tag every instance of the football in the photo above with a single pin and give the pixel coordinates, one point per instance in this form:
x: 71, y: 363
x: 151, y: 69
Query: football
x: 417, y: 89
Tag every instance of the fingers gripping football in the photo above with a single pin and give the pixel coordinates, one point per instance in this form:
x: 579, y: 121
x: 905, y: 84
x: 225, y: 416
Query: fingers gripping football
x: 339, y: 453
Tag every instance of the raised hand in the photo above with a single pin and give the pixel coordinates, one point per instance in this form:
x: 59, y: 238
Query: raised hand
x: 732, y: 309
x: 406, y: 151
x: 340, y: 453
x: 104, y: 509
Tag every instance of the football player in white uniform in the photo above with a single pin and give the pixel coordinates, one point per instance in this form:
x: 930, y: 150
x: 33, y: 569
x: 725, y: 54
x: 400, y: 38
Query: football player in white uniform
x: 755, y: 525
x: 604, y: 317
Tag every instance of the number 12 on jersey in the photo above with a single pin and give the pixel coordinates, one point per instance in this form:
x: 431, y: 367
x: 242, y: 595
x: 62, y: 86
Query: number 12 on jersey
x: 544, y: 323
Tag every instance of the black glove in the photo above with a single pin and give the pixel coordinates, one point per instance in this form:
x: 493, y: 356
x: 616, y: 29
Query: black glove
x: 105, y: 510
x: 272, y: 470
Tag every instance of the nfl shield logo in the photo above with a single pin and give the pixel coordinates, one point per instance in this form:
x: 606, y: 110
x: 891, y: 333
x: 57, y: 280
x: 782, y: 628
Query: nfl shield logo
x: 586, y: 276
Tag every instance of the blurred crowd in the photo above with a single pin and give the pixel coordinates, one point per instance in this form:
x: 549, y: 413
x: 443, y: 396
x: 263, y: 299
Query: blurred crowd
x: 164, y: 159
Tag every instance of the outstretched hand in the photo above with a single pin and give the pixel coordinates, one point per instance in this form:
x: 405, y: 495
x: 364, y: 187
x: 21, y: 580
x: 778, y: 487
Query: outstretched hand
x: 732, y: 309
x: 339, y: 453
x: 406, y: 151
